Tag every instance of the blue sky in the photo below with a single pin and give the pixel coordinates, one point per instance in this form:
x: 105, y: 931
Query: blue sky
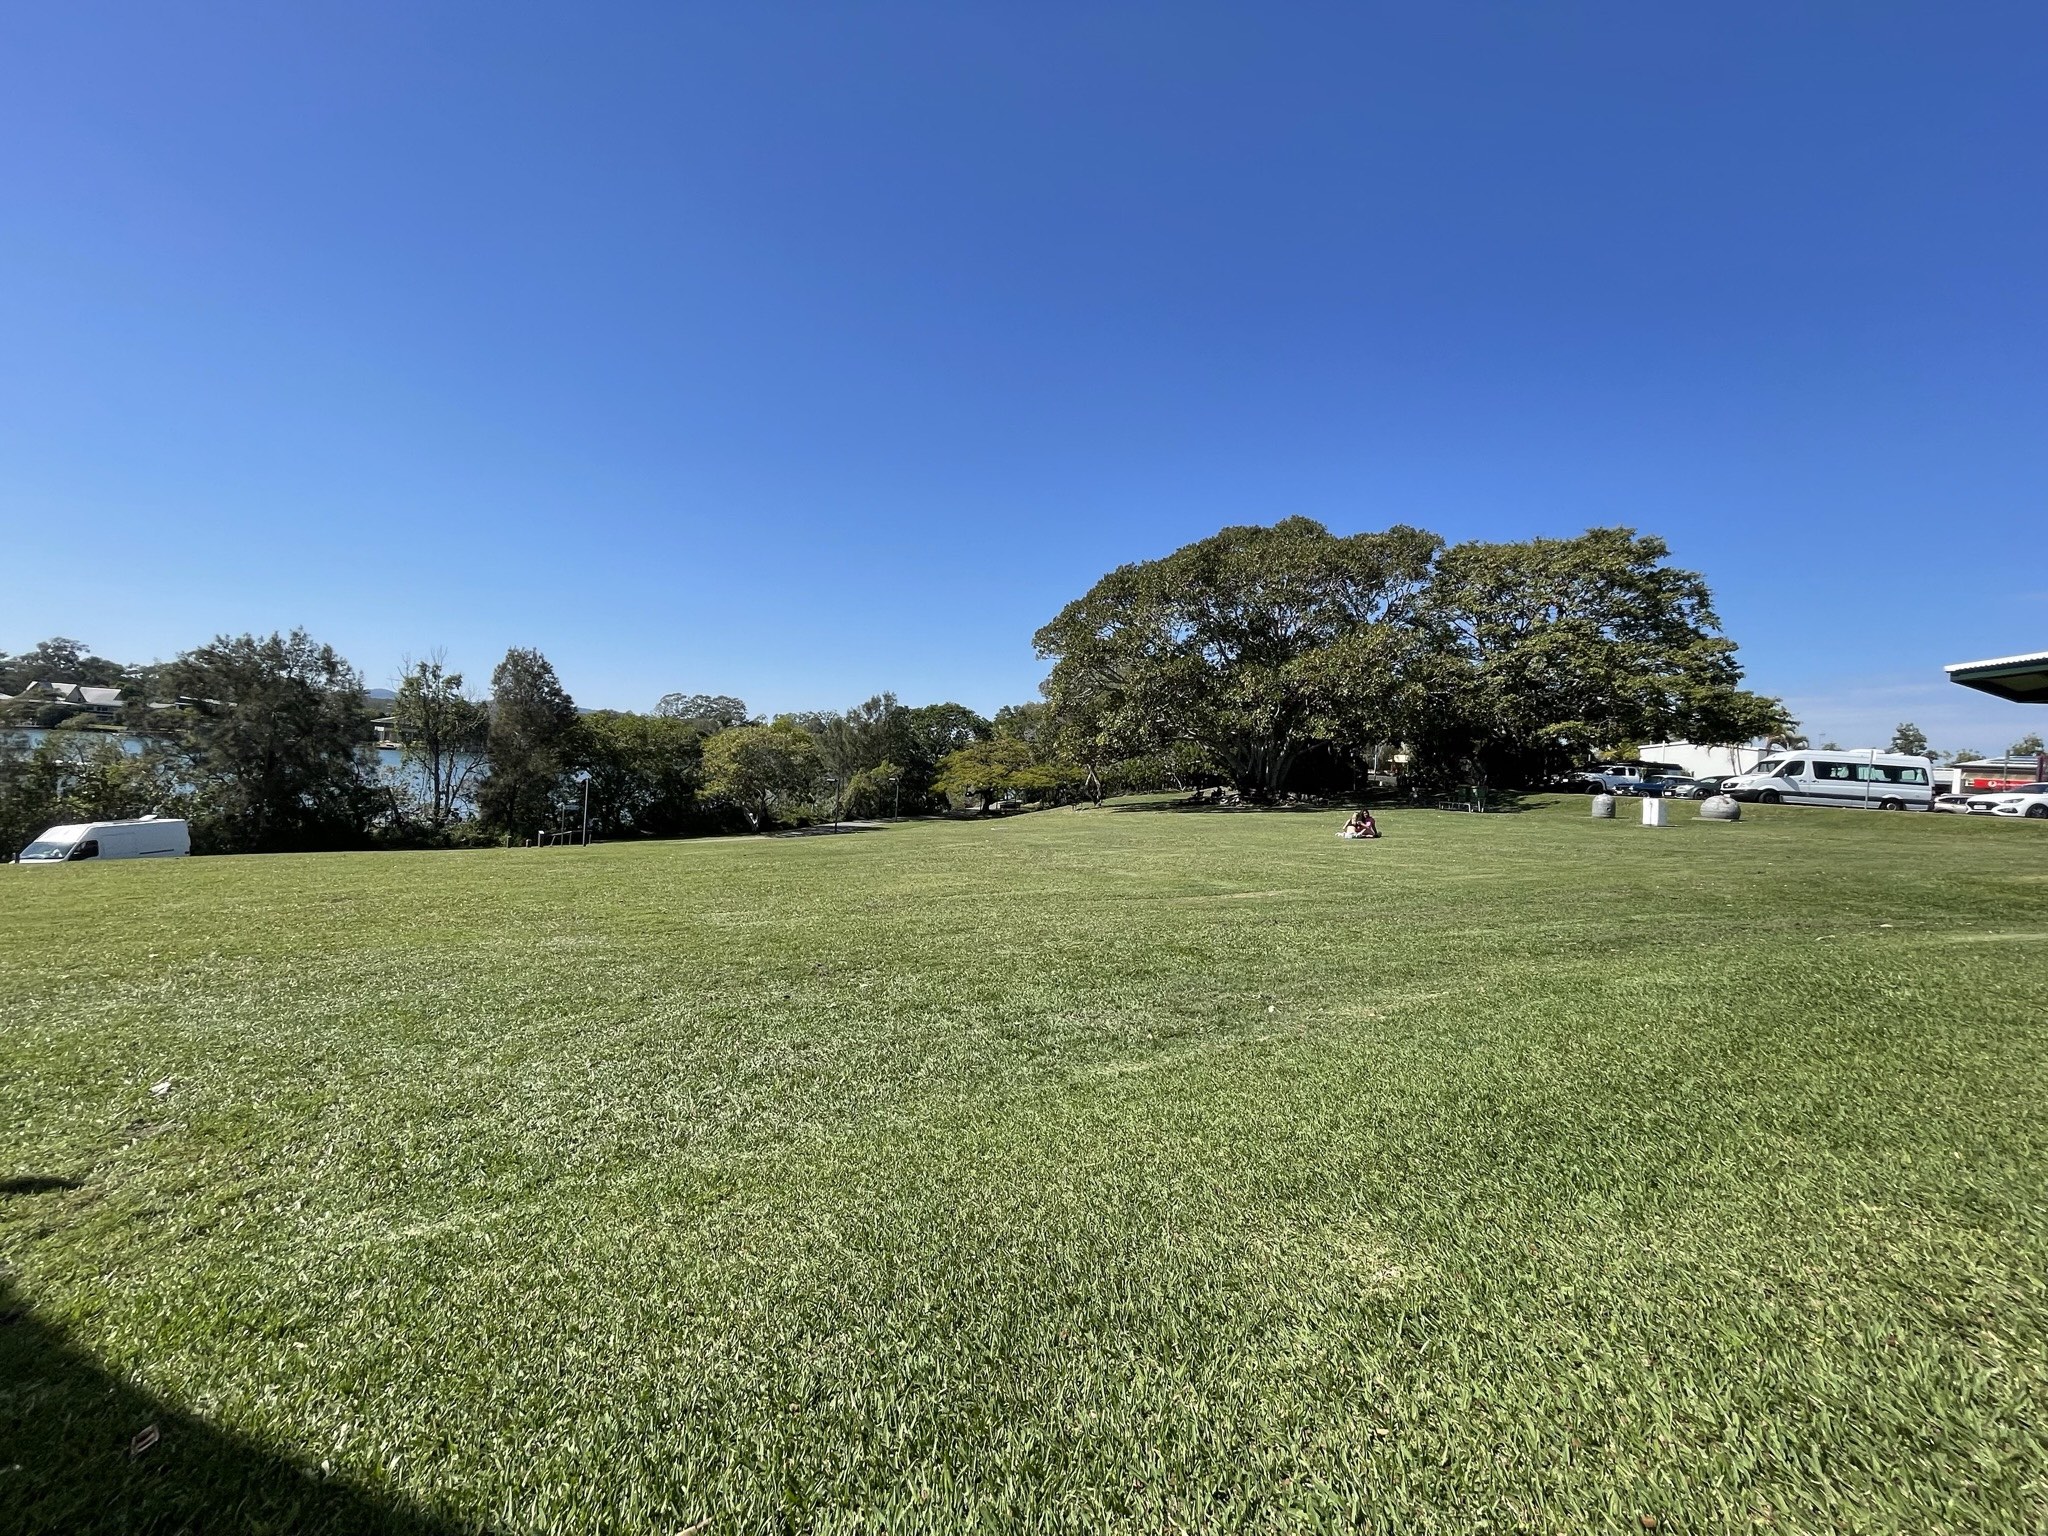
x: 801, y: 352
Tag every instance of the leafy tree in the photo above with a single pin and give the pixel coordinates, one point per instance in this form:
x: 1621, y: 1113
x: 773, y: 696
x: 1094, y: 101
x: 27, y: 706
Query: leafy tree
x: 271, y: 738
x: 2026, y: 746
x: 1964, y: 755
x: 875, y: 791
x: 988, y: 769
x: 1252, y: 646
x: 1030, y: 722
x: 532, y: 742
x: 912, y: 742
x: 442, y: 733
x: 1005, y: 765
x: 765, y: 771
x: 722, y: 710
x: 855, y: 742
x: 1909, y: 739
x: 930, y: 731
x: 1563, y: 645
x: 645, y: 773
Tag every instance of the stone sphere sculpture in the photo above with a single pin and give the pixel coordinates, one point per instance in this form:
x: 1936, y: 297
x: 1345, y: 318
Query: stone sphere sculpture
x: 1603, y: 807
x: 1720, y: 808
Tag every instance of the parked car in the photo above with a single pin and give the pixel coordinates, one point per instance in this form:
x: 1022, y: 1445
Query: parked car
x: 2029, y: 800
x: 1692, y: 789
x: 1873, y: 781
x: 150, y: 838
x: 1958, y: 804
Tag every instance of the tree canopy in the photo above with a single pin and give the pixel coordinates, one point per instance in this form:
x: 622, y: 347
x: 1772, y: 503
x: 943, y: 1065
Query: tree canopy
x: 1260, y: 644
x: 1252, y: 645
x: 765, y: 771
x: 442, y: 734
x: 1550, y: 645
x: 720, y: 709
x: 532, y: 742
x: 271, y: 738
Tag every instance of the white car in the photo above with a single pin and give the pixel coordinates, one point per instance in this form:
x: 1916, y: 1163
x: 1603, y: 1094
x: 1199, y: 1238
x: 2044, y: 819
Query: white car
x: 2029, y: 800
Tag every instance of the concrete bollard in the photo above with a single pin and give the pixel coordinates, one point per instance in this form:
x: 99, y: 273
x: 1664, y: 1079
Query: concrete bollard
x: 1653, y: 810
x: 1603, y: 807
x: 1720, y: 808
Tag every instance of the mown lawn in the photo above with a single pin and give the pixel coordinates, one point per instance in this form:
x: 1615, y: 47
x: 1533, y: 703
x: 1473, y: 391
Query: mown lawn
x: 1117, y: 1170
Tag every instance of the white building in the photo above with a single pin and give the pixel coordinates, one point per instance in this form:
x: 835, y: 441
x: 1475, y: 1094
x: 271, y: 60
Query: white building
x: 1702, y: 762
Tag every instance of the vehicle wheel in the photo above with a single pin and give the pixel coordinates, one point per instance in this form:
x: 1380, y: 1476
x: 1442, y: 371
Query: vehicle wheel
x: 1891, y: 805
x: 2037, y: 813
x: 1768, y: 797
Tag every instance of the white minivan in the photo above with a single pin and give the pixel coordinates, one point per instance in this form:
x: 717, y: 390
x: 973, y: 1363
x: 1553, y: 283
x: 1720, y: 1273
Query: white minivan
x: 151, y: 838
x: 1872, y: 781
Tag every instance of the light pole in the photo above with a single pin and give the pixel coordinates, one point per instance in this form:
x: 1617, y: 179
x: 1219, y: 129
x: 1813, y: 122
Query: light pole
x: 583, y: 778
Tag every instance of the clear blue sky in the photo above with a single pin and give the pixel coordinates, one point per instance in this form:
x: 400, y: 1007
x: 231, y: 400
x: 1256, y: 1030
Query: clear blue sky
x: 801, y: 352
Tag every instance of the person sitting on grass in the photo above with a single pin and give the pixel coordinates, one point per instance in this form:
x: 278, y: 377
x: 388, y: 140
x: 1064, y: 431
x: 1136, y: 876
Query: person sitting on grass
x: 1361, y: 824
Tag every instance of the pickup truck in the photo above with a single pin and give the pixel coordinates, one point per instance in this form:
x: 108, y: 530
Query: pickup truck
x: 1618, y: 780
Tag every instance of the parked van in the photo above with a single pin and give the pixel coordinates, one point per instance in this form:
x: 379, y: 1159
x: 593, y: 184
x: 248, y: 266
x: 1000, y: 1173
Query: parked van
x: 1875, y: 781
x: 150, y: 838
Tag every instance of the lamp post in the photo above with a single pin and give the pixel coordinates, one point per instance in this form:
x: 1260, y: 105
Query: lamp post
x: 583, y: 778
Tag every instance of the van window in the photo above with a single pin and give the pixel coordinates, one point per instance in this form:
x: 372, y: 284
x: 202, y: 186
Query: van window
x: 89, y: 849
x: 1891, y: 773
x: 1844, y: 771
x: 1793, y: 770
x: 39, y: 852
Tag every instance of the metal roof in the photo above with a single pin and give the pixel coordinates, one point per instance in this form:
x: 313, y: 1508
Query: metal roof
x: 2022, y: 679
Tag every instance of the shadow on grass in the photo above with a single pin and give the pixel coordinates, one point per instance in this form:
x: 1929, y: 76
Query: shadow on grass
x: 1498, y: 803
x: 83, y: 1451
x: 35, y: 1184
x: 1211, y: 808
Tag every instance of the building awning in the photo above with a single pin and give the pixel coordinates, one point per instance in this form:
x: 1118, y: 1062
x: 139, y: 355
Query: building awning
x: 2022, y: 679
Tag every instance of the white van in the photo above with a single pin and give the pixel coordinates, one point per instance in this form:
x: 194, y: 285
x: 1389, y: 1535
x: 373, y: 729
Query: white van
x: 1871, y: 781
x: 150, y: 838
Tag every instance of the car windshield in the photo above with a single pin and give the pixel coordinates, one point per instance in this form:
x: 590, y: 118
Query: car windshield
x: 1769, y: 766
x: 40, y: 851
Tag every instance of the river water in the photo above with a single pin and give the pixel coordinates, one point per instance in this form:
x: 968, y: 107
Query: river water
x: 391, y: 767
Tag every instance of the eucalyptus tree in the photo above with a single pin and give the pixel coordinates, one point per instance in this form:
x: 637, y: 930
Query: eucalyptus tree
x: 442, y: 734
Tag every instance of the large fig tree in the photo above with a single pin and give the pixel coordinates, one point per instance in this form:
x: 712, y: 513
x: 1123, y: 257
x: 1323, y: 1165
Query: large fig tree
x: 1254, y: 646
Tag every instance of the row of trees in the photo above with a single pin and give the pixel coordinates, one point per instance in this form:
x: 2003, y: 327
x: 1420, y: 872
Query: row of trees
x: 1267, y: 658
x: 267, y: 744
x: 1910, y: 739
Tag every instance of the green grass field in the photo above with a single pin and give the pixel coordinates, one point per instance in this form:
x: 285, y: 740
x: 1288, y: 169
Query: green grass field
x: 1102, y: 1170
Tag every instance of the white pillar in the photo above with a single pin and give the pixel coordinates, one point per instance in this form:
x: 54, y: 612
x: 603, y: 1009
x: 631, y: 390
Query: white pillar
x: 1653, y: 810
